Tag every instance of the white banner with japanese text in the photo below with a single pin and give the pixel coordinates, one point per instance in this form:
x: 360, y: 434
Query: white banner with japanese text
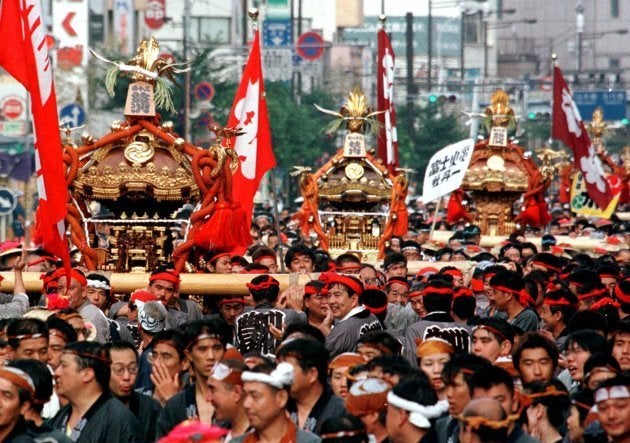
x: 446, y: 169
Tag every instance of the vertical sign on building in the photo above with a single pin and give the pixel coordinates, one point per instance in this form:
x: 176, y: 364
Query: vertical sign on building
x: 124, y: 30
x: 70, y: 27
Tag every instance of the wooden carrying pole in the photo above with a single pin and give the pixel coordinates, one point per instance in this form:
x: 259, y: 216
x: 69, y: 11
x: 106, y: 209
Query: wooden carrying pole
x: 204, y: 284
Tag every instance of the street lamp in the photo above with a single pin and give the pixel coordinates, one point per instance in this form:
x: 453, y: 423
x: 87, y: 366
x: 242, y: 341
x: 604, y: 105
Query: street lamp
x: 579, y: 26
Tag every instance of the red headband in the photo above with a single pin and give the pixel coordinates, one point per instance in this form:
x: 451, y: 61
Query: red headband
x: 546, y: 265
x: 621, y: 296
x: 559, y: 302
x: 262, y: 257
x: 613, y: 276
x: 348, y: 267
x: 375, y: 310
x: 593, y: 293
x: 348, y: 282
x: 438, y: 291
x: 217, y: 256
x: 604, y: 302
x: 263, y: 284
x: 310, y: 290
x: 74, y: 275
x: 523, y: 296
x: 463, y: 292
x: 171, y: 276
x: 453, y: 273
x: 400, y: 281
x: 415, y: 294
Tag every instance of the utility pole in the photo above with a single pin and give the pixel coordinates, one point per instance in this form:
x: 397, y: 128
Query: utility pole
x: 462, y: 45
x: 187, y: 77
x: 430, y: 46
x: 579, y: 19
x: 410, y: 85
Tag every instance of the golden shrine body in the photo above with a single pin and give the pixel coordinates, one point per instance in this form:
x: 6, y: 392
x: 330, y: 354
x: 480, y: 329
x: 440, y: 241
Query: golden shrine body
x: 499, y: 172
x: 349, y: 203
x: 139, y: 175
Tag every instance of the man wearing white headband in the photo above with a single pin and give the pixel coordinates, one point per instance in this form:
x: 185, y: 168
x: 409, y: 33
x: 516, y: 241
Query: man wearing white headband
x: 225, y: 393
x: 16, y: 388
x: 613, y: 407
x: 412, y: 408
x: 266, y: 396
x: 99, y: 291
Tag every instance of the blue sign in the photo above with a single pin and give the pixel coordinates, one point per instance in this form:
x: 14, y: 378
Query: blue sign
x: 72, y: 115
x: 8, y: 202
x: 277, y: 32
x: 613, y: 103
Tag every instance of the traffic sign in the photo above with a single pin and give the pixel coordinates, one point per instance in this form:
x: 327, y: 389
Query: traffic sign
x: 12, y: 108
x: 277, y: 32
x: 70, y: 27
x: 204, y: 91
x: 310, y: 46
x: 73, y: 115
x: 154, y: 14
x: 613, y: 103
x: 8, y: 201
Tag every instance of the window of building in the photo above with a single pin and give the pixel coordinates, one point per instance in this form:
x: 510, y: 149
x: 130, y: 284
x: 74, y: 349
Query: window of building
x: 613, y: 63
x: 472, y: 26
x: 614, y: 8
x: 210, y: 30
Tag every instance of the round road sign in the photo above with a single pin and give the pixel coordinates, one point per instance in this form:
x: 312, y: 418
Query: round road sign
x: 8, y: 201
x: 204, y: 91
x: 310, y: 46
x: 12, y: 108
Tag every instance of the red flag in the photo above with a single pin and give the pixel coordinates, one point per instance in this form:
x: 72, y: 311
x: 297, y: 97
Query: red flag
x: 568, y: 127
x: 26, y: 58
x: 249, y: 112
x: 387, y: 138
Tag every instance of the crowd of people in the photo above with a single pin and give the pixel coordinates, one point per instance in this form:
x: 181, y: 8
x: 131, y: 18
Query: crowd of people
x: 515, y: 344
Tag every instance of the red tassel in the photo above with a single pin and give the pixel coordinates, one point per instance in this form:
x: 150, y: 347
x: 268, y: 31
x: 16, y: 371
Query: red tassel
x: 401, y: 225
x: 215, y: 233
x: 239, y: 227
x: 455, y: 210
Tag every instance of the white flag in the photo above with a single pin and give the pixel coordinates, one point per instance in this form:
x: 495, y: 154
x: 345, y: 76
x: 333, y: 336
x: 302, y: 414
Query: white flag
x: 446, y: 169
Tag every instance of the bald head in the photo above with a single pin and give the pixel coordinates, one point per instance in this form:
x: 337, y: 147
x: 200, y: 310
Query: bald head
x: 475, y: 425
x: 487, y: 408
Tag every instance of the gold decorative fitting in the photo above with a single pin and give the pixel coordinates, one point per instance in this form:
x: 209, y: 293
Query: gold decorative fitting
x: 179, y: 143
x: 116, y: 126
x: 87, y: 138
x: 356, y: 113
x: 139, y: 152
x: 499, y: 113
x: 146, y: 66
x: 354, y: 171
x: 167, y: 126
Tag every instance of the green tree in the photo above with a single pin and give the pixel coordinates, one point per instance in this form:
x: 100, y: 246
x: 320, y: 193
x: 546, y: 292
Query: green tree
x: 436, y: 126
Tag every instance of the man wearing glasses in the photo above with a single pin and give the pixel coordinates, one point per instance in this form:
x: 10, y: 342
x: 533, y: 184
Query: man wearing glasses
x: 124, y: 371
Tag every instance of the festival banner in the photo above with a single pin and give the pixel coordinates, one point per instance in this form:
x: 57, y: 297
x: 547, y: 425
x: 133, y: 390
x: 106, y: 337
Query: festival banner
x: 249, y: 113
x: 26, y: 59
x: 568, y: 127
x: 387, y: 137
x: 446, y: 169
x: 581, y: 203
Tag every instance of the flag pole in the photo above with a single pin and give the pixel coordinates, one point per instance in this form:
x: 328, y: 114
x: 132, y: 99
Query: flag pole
x: 554, y: 57
x: 253, y: 16
x: 435, y: 213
